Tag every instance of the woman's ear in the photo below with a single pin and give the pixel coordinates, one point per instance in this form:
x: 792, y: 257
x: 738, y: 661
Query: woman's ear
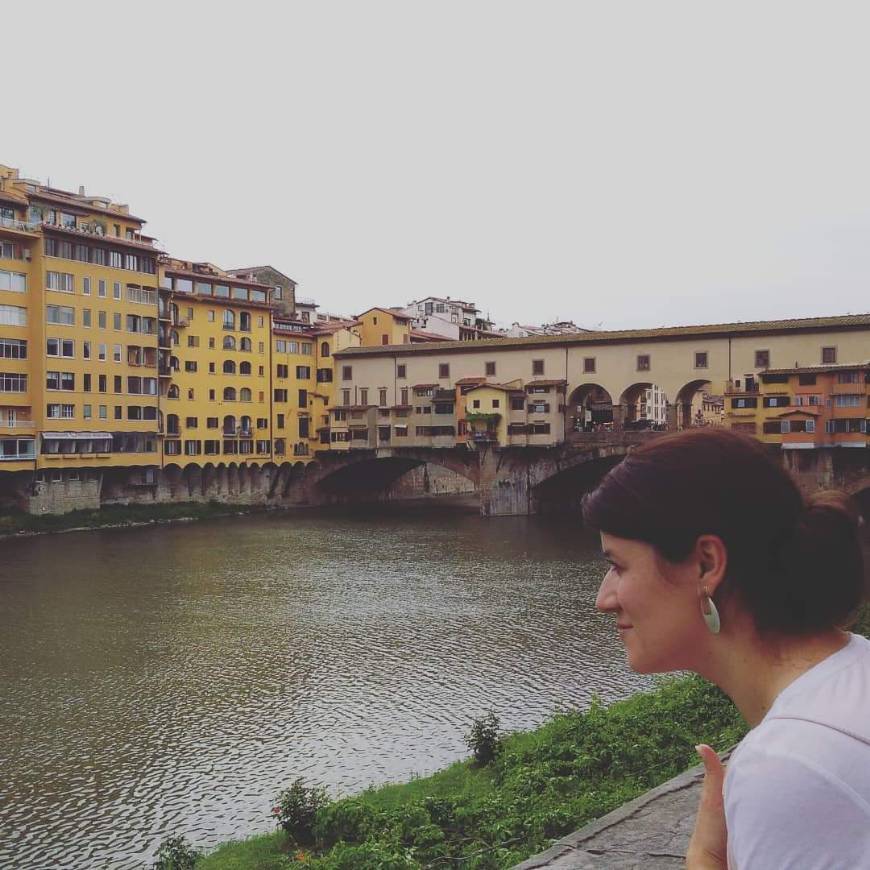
x: 712, y: 560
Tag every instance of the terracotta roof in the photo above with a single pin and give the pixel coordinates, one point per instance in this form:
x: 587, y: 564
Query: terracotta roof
x: 801, y: 370
x: 76, y: 204
x: 93, y: 238
x: 397, y: 314
x: 208, y: 278
x: 505, y: 388
x: 812, y: 410
x: 480, y: 380
x: 712, y: 330
x: 429, y: 336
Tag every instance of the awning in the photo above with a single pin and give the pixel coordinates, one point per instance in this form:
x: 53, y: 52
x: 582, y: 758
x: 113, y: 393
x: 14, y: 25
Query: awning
x: 76, y: 436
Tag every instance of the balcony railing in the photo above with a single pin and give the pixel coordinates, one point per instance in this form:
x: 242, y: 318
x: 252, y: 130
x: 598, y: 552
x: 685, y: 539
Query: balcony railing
x: 16, y: 424
x: 22, y: 226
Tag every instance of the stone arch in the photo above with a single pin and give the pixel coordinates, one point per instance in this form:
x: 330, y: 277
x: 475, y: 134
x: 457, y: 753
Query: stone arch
x: 684, y: 412
x: 193, y: 478
x: 209, y: 479
x: 232, y: 479
x: 221, y: 477
x: 589, y: 406
x: 643, y: 400
x: 172, y: 478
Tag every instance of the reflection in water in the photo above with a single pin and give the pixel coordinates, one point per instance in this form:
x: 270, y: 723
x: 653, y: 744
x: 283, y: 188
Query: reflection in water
x: 173, y: 679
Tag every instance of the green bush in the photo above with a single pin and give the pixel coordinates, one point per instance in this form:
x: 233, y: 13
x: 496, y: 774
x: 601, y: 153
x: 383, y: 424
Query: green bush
x: 483, y: 739
x: 295, y: 810
x: 174, y: 853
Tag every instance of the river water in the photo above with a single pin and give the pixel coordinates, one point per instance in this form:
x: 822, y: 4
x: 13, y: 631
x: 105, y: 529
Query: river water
x: 172, y: 679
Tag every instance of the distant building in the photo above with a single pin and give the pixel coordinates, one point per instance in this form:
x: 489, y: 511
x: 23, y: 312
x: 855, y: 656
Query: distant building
x: 560, y: 327
x: 283, y: 286
x: 453, y: 318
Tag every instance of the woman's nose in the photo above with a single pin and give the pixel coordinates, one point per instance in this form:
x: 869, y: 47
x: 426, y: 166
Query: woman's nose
x: 605, y: 601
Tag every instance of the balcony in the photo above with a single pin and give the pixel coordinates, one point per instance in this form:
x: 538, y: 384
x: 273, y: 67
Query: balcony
x: 28, y: 228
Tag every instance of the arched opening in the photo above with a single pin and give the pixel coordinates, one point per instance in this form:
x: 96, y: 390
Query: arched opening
x: 244, y: 394
x: 644, y: 405
x: 589, y: 409
x: 695, y: 406
x: 246, y: 345
x: 324, y: 348
x: 245, y: 423
x: 229, y: 342
x: 173, y: 392
x: 229, y: 394
x: 244, y: 368
x: 229, y: 367
x: 245, y: 321
x: 174, y: 364
x: 229, y: 425
x: 173, y: 336
x: 229, y: 319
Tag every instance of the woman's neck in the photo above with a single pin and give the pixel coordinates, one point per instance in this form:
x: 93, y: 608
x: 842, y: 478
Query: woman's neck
x: 753, y: 670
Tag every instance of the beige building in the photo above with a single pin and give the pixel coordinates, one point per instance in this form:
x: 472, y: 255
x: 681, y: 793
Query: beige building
x: 618, y: 368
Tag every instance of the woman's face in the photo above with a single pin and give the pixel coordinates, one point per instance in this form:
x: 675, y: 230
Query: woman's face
x: 658, y: 615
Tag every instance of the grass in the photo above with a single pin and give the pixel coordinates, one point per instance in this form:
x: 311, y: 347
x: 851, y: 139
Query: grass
x: 544, y: 784
x: 114, y: 515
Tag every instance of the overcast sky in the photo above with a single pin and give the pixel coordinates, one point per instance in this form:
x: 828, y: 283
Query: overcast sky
x: 615, y: 163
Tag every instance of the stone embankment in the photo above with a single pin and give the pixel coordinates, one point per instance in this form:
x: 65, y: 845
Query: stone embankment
x: 651, y: 832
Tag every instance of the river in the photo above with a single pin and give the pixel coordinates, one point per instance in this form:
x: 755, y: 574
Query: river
x: 172, y: 679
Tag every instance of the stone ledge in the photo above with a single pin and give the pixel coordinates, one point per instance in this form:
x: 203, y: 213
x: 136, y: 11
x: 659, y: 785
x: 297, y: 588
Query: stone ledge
x: 650, y: 832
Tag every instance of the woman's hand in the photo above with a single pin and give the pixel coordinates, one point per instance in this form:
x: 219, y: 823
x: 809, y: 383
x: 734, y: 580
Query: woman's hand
x: 708, y: 846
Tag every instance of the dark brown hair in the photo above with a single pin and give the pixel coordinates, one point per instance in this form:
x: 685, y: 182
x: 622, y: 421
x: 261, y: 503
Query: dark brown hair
x: 795, y: 564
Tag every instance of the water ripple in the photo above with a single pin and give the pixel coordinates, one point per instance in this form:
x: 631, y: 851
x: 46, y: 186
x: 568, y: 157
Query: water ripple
x: 172, y: 680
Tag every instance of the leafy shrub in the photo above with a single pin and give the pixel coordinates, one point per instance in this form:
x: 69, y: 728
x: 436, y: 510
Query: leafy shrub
x: 295, y: 810
x: 483, y: 739
x: 174, y: 853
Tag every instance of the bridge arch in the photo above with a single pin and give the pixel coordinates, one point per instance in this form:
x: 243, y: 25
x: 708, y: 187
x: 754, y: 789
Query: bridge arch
x: 685, y: 411
x: 589, y: 406
x: 644, y: 400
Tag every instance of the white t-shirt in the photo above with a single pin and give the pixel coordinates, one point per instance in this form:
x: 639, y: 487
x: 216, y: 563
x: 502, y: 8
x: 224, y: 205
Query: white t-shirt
x: 797, y: 789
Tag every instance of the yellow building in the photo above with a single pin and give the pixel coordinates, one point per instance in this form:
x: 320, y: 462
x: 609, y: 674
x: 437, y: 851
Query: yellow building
x: 383, y: 326
x: 78, y: 333
x: 215, y: 359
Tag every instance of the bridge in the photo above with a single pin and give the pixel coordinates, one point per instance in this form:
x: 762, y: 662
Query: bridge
x: 514, y: 481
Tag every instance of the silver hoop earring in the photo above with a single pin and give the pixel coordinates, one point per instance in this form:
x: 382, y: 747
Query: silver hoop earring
x: 710, y: 614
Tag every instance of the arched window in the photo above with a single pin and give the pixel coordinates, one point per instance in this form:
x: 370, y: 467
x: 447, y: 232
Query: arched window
x: 229, y: 425
x: 245, y: 321
x: 172, y: 427
x: 229, y: 342
x: 229, y: 394
x: 229, y: 319
x: 229, y: 367
x: 173, y: 392
x: 245, y: 424
x: 174, y: 364
x: 246, y: 344
x: 174, y: 336
x: 244, y: 368
x: 324, y: 348
x: 173, y: 312
x: 244, y: 395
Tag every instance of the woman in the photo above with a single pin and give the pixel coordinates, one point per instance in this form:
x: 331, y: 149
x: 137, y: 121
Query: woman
x: 718, y: 566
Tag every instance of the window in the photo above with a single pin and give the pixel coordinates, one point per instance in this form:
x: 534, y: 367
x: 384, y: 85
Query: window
x: 280, y: 395
x: 229, y: 342
x: 848, y: 400
x: 518, y: 403
x: 848, y: 378
x: 244, y: 321
x: 744, y: 402
x: 102, y: 409
x: 244, y: 394
x: 86, y: 317
x: 63, y: 282
x: 303, y: 373
x: 64, y: 347
x: 101, y: 288
x: 762, y: 359
x: 101, y: 320
x: 229, y: 367
x: 537, y: 367
x: 775, y: 402
x: 116, y: 320
x: 86, y: 286
x: 229, y: 394
x: 382, y: 397
x: 191, y: 422
x: 401, y: 370
x: 496, y: 403
x: 643, y: 362
x: 102, y: 381
x: 324, y: 348
x: 193, y: 341
x: 229, y: 319
x: 116, y: 290
x: 211, y: 395
x: 245, y: 368
x: 347, y: 373
x: 489, y: 369
x: 303, y: 398
x: 701, y: 360
x: 60, y: 314
x: 210, y: 317
x: 87, y: 411
x: 246, y: 345
x: 13, y: 348
x: 116, y: 352
x: 212, y: 422
x: 101, y: 352
x: 807, y: 380
x: 190, y: 365
x: 589, y: 365
x: 13, y: 383
x: 475, y: 403
x: 443, y: 370
x: 118, y: 382
x: 13, y: 281
x: 364, y: 396
x: 279, y: 421
x: 404, y: 394
x: 60, y: 381
x: 60, y: 412
x: 829, y: 355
